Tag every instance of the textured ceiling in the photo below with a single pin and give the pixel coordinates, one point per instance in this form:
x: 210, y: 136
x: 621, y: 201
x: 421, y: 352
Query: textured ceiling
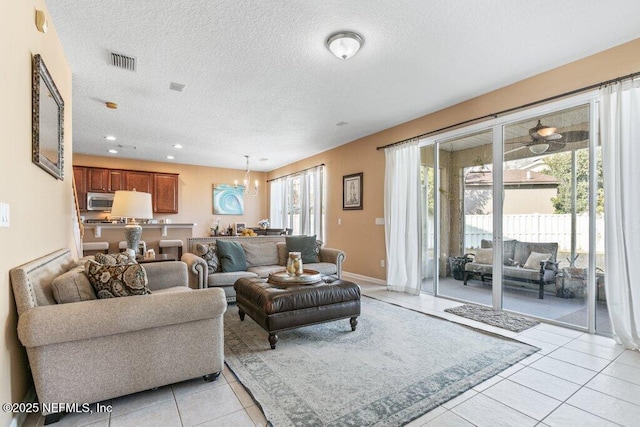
x: 260, y: 82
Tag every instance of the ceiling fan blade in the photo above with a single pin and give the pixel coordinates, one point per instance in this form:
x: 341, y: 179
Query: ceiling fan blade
x: 575, y: 135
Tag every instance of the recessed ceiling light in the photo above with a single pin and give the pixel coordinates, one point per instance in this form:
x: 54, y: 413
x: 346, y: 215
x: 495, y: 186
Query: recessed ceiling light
x: 177, y: 146
x: 342, y: 123
x: 112, y: 151
x: 110, y: 138
x: 170, y: 157
x: 178, y: 87
x: 264, y: 159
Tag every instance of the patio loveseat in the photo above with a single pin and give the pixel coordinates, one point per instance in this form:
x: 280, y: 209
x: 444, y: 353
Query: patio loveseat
x: 528, y: 262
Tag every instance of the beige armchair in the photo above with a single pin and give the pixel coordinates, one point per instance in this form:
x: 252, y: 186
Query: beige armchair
x: 90, y: 351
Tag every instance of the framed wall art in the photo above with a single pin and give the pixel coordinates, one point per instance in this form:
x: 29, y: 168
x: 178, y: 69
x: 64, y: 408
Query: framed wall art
x: 228, y: 199
x: 352, y: 191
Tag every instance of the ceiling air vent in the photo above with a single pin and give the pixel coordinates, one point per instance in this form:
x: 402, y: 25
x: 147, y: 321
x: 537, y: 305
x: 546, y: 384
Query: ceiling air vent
x: 123, y: 61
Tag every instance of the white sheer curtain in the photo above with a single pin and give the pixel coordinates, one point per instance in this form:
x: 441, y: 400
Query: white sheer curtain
x: 278, y: 205
x: 620, y: 136
x: 289, y: 207
x: 402, y: 217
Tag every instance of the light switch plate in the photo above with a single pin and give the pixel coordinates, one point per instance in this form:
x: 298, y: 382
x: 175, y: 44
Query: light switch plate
x: 379, y: 221
x: 4, y: 215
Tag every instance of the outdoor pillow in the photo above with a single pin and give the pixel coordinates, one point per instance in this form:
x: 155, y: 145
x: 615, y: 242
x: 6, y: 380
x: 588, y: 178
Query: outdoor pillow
x: 110, y: 281
x: 231, y: 255
x: 484, y: 256
x: 534, y: 260
x: 306, y: 245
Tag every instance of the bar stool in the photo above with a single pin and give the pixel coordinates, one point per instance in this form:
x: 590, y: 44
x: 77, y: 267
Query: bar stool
x: 172, y: 244
x: 142, y: 246
x: 95, y: 247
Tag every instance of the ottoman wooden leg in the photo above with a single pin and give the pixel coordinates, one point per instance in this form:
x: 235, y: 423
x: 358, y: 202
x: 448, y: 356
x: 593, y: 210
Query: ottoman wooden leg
x: 273, y: 339
x: 241, y: 314
x: 354, y: 323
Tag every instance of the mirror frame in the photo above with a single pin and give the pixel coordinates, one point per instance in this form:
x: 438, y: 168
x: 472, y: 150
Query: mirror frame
x: 53, y: 166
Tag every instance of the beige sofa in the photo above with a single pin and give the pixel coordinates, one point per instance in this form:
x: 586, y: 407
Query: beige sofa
x: 265, y: 254
x: 93, y: 350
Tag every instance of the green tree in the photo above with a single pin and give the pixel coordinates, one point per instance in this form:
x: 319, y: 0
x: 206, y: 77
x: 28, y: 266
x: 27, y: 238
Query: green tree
x: 559, y: 166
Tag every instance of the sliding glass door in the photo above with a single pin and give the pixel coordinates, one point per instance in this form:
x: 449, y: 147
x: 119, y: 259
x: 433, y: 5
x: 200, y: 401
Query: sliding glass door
x: 541, y: 175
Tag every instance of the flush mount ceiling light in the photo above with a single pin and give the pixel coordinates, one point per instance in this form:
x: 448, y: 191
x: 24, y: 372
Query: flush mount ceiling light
x: 344, y: 44
x: 110, y: 138
x: 111, y: 105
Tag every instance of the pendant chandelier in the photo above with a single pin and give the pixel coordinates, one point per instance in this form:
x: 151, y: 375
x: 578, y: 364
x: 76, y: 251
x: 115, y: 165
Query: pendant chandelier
x: 247, y: 179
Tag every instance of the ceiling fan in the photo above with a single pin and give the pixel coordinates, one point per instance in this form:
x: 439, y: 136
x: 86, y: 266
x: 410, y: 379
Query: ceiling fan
x: 545, y: 139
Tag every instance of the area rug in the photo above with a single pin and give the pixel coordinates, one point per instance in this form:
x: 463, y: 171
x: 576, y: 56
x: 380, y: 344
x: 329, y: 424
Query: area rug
x: 511, y: 322
x: 397, y: 365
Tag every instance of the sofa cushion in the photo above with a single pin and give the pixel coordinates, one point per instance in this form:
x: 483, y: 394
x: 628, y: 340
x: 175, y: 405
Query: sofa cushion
x: 110, y: 281
x: 264, y: 270
x: 121, y: 258
x: 72, y: 286
x: 484, y: 256
x: 324, y: 268
x: 306, y: 245
x: 508, y: 250
x: 210, y: 255
x: 534, y: 260
x: 283, y: 253
x: 259, y: 254
x: 231, y: 255
x: 227, y: 279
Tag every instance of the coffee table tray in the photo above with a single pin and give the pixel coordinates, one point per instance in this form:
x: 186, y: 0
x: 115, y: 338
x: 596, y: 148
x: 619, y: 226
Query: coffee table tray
x: 308, y: 277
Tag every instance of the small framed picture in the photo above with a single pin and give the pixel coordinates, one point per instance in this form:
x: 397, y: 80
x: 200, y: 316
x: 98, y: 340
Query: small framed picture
x: 240, y: 226
x: 352, y: 191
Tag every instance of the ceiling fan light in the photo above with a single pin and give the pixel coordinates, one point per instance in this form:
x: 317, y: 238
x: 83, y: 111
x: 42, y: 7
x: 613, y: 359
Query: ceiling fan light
x: 344, y: 44
x: 541, y: 131
x: 538, y: 148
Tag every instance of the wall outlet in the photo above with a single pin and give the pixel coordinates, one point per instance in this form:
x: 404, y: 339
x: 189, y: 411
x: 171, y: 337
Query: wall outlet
x: 4, y: 215
x: 382, y: 263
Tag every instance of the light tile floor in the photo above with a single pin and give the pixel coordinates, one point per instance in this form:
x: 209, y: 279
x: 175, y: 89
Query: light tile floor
x: 576, y: 379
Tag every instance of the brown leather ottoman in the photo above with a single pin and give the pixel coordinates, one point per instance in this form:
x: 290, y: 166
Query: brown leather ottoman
x: 278, y: 308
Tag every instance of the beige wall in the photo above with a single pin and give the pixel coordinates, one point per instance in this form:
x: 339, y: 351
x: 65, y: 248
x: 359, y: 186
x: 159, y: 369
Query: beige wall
x: 25, y: 187
x: 358, y: 236
x: 194, y: 192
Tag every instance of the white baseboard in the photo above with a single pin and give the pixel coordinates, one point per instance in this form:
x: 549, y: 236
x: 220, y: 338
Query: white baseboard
x: 360, y: 277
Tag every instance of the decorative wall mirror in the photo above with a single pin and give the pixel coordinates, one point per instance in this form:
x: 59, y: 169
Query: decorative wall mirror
x: 47, y: 121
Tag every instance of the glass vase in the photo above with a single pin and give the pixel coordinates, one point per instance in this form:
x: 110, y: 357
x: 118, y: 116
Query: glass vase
x: 294, y: 264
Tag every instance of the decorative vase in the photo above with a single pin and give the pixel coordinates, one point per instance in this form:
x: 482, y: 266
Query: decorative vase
x: 294, y: 264
x: 263, y: 226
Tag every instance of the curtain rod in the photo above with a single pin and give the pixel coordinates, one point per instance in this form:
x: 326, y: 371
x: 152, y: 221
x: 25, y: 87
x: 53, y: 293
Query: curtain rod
x: 295, y: 173
x: 510, y: 110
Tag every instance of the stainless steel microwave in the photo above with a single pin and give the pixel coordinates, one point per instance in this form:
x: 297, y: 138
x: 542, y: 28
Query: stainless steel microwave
x: 99, y: 201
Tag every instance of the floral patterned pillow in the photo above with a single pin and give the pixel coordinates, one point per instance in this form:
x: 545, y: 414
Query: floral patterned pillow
x: 121, y: 258
x: 210, y: 255
x: 111, y: 281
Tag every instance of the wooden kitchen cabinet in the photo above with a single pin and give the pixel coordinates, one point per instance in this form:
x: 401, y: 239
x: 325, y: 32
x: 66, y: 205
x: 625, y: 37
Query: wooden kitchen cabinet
x: 98, y: 180
x: 117, y: 180
x: 162, y: 186
x: 165, y: 193
x: 80, y: 178
x: 140, y: 181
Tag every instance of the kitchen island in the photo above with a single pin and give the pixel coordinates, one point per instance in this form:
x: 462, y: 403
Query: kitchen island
x: 113, y: 233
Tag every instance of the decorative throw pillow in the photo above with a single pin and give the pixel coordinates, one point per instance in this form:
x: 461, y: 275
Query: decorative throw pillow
x: 110, y: 281
x: 484, y: 256
x: 534, y: 260
x: 121, y: 258
x: 259, y: 254
x: 72, y: 286
x: 209, y: 254
x: 231, y: 255
x: 307, y: 245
